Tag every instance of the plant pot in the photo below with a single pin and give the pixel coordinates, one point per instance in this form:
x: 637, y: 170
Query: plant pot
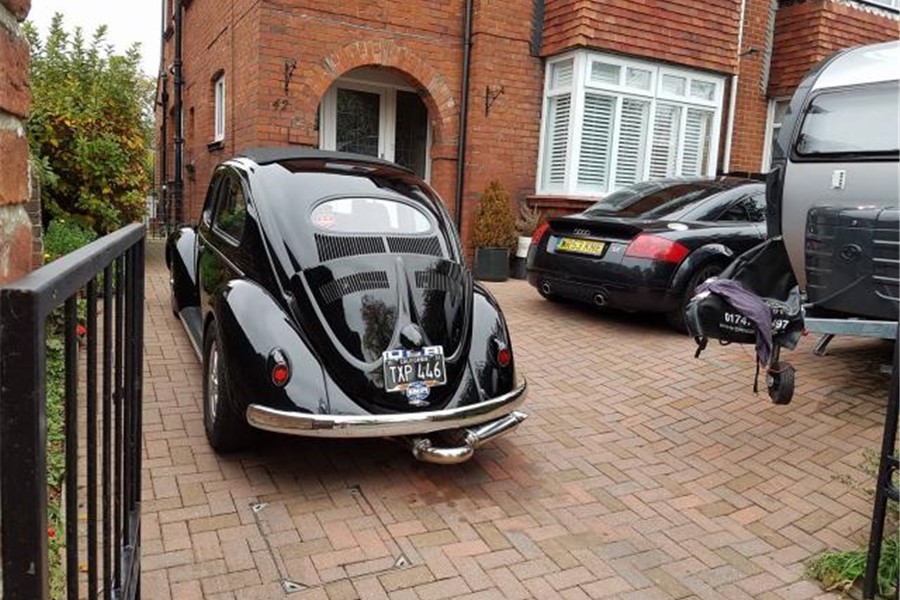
x: 519, y: 268
x: 492, y: 264
x: 524, y: 243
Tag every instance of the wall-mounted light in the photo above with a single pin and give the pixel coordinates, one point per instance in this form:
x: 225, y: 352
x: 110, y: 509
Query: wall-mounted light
x: 491, y: 94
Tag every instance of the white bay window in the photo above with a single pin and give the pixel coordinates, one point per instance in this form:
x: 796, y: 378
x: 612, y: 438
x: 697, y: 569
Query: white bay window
x: 609, y: 122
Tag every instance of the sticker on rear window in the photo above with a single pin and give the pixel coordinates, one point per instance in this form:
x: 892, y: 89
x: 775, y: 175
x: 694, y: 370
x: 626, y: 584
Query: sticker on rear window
x: 324, y: 219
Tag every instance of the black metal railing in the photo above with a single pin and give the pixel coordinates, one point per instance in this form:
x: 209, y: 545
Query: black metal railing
x: 885, y: 486
x: 110, y: 269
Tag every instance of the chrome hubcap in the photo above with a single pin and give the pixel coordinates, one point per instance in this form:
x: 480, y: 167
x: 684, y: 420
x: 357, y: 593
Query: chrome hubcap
x: 212, y: 387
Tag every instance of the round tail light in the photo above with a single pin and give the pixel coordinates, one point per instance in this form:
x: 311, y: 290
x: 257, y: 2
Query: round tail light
x: 504, y: 356
x: 279, y: 368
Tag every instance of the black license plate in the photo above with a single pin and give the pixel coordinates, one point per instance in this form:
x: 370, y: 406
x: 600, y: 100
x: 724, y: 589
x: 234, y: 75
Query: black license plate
x: 405, y: 367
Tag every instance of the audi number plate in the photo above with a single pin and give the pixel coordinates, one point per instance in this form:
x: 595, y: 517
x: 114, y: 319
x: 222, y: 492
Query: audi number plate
x: 580, y: 246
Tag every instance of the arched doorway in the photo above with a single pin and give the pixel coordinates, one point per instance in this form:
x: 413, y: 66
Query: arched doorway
x: 375, y: 111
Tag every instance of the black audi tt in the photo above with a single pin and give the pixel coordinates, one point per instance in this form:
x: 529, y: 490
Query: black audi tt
x: 648, y: 246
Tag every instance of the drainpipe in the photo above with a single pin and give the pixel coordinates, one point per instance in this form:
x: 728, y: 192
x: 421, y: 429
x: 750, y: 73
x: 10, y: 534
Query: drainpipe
x: 178, y: 184
x: 163, y: 150
x: 732, y: 99
x: 537, y: 34
x: 463, y: 112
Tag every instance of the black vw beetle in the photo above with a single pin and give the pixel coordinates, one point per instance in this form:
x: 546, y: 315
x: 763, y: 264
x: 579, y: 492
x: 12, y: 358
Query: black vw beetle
x: 327, y: 296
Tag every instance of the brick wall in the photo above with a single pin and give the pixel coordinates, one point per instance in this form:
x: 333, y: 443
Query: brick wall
x: 289, y: 53
x: 695, y: 34
x: 280, y: 58
x: 15, y: 226
x: 218, y: 39
x: 809, y: 31
x: 751, y: 107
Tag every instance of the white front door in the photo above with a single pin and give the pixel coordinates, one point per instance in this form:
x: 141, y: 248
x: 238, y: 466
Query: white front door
x: 387, y: 122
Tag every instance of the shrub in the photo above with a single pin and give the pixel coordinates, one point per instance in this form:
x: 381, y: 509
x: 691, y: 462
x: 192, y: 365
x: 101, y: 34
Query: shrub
x: 89, y: 127
x: 64, y: 236
x: 494, y: 222
x: 528, y: 220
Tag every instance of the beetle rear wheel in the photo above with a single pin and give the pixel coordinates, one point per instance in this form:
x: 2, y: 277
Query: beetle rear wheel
x: 226, y: 428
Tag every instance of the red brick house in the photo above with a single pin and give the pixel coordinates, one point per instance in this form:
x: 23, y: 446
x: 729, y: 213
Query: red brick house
x: 567, y: 99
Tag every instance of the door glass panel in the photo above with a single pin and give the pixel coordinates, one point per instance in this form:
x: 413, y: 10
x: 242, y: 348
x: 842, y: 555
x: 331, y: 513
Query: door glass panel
x: 411, y: 132
x: 357, y: 121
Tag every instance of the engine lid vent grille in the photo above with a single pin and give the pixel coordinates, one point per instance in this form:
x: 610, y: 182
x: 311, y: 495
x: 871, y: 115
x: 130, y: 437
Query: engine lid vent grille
x: 430, y: 246
x: 358, y: 282
x: 331, y: 247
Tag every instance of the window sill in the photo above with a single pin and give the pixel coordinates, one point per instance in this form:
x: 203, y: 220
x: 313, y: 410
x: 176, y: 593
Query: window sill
x: 560, y: 203
x: 216, y: 146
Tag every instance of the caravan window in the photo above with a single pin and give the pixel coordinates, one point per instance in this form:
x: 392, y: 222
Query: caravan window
x: 851, y: 123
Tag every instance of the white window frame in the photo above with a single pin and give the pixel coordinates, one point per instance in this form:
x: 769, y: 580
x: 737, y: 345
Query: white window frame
x: 772, y: 130
x: 387, y: 118
x: 219, y: 104
x: 550, y: 91
x: 892, y: 5
x: 582, y: 85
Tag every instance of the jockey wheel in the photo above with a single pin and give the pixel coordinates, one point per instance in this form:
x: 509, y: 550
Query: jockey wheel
x: 780, y: 382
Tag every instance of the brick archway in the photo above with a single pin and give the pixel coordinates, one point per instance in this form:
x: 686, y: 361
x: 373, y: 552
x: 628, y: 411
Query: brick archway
x: 442, y: 107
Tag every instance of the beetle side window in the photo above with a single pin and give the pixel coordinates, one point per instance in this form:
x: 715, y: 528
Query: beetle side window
x: 232, y: 209
x: 210, y: 202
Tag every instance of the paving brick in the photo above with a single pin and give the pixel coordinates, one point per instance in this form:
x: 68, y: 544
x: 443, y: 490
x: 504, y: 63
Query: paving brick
x: 610, y: 489
x: 405, y: 578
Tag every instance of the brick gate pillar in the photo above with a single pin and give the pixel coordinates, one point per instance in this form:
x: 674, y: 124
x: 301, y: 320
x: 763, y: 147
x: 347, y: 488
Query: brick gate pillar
x: 15, y: 225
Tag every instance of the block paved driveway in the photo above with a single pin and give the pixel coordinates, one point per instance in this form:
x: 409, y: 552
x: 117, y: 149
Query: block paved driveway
x: 642, y: 474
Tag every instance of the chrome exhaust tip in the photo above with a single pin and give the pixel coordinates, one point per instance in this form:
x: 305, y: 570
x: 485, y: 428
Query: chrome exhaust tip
x: 600, y: 299
x: 424, y: 450
x: 545, y: 287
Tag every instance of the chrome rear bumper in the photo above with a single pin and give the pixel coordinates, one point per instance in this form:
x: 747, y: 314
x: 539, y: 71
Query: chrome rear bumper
x: 391, y: 425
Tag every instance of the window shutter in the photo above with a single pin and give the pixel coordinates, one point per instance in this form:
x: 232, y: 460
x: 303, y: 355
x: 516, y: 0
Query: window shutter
x: 596, y: 141
x: 632, y: 133
x: 664, y: 152
x: 557, y: 139
x: 696, y: 142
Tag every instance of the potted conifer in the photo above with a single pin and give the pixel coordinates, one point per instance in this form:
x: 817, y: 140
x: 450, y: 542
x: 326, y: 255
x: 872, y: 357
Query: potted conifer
x: 494, y: 235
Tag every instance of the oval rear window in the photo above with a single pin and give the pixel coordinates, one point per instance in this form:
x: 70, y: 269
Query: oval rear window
x: 369, y: 215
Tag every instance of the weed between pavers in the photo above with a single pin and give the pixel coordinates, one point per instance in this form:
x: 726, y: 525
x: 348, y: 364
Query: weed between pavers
x: 839, y: 570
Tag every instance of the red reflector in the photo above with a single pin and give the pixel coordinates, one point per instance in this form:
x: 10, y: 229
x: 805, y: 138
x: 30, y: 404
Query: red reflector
x: 280, y: 374
x: 656, y: 248
x: 503, y: 357
x: 539, y: 233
